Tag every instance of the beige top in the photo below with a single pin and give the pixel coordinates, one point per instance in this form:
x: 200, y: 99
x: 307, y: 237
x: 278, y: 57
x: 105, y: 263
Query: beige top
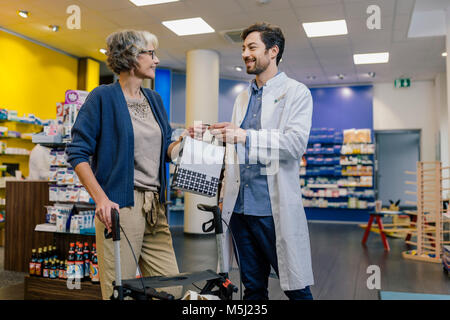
x: 147, y: 144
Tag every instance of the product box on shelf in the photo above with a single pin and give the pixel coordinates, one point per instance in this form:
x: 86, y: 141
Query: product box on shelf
x: 76, y: 96
x: 67, y: 220
x: 357, y: 136
x: 62, y: 193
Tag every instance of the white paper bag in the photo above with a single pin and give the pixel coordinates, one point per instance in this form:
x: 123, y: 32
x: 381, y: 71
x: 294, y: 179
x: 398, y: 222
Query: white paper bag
x: 199, y: 166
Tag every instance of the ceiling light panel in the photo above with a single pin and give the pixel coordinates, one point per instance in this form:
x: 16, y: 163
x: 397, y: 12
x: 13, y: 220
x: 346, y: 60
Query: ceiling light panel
x: 325, y: 28
x: 371, y: 58
x: 185, y: 27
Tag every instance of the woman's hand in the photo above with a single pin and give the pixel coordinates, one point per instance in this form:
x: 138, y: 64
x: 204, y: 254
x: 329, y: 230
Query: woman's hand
x: 103, y: 212
x: 196, y: 131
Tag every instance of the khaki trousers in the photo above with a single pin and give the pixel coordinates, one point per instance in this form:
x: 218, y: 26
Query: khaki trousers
x: 146, y: 227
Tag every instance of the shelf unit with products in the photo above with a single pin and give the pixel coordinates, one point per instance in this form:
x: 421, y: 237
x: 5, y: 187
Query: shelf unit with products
x: 337, y: 172
x: 15, y: 148
x: 70, y: 212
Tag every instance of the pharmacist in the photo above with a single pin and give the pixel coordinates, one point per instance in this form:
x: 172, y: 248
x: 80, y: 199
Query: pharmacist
x: 261, y: 196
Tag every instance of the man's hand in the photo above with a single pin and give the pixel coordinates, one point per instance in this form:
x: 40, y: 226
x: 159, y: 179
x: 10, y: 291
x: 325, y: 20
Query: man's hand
x: 228, y: 132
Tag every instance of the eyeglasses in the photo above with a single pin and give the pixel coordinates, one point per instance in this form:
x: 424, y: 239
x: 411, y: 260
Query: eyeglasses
x: 152, y: 52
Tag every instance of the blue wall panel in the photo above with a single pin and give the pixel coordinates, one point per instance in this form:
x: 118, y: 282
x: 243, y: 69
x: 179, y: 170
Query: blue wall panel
x: 163, y: 85
x: 343, y: 107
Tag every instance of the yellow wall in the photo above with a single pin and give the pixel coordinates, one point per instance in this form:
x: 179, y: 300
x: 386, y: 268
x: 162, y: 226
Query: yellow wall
x: 92, y: 74
x: 33, y: 78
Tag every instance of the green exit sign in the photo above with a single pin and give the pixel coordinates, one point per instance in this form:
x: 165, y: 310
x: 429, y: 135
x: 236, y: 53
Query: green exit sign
x: 402, y: 83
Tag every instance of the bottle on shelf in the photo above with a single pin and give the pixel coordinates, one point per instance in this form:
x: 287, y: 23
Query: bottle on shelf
x: 61, y: 269
x: 45, y: 254
x: 65, y: 270
x: 94, y: 265
x: 79, y: 262
x: 52, y: 269
x: 71, y: 262
x: 50, y: 252
x: 38, y: 264
x: 55, y: 253
x: 45, y: 270
x: 32, y: 265
x: 87, y: 260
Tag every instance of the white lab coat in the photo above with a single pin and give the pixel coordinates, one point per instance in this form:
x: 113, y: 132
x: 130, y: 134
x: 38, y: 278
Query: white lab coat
x: 286, y: 114
x: 39, y: 163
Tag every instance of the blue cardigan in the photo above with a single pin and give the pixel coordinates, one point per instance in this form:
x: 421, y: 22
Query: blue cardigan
x: 103, y: 130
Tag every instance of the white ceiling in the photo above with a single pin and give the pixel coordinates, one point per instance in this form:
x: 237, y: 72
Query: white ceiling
x: 418, y: 58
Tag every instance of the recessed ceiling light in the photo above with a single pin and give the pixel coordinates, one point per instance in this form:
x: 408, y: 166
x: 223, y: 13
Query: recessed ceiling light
x: 237, y: 68
x: 325, y: 28
x: 444, y: 54
x: 23, y: 13
x: 103, y: 51
x: 371, y: 74
x: 341, y: 76
x: 54, y: 28
x: 185, y: 27
x: 370, y: 58
x: 140, y: 3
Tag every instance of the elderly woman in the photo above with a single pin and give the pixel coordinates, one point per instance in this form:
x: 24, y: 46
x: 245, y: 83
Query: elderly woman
x: 125, y: 129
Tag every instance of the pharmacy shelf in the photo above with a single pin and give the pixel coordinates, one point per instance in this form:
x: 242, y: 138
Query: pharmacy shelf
x: 14, y: 155
x: 176, y: 209
x: 52, y: 144
x: 332, y: 186
x: 346, y: 197
x: 51, y: 228
x: 335, y: 175
x: 336, y: 164
x: 16, y: 138
x: 340, y: 208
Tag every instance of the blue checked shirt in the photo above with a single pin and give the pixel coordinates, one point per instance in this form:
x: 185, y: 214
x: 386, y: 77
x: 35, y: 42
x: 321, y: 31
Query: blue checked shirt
x: 253, y: 198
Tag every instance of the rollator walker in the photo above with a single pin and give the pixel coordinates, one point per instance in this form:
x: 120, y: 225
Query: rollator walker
x: 217, y: 284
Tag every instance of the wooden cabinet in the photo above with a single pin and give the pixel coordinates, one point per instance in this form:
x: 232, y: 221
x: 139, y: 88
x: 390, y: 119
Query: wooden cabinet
x: 25, y: 208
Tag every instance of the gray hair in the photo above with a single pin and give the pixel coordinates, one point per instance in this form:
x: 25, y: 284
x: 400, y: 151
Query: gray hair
x: 123, y: 48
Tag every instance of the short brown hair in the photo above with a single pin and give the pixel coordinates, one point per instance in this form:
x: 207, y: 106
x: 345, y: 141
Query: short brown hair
x: 123, y: 48
x: 271, y: 36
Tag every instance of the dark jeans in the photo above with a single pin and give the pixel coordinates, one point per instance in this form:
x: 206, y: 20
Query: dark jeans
x: 255, y: 241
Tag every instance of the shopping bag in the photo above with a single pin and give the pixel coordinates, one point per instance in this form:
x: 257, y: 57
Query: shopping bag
x: 198, y: 167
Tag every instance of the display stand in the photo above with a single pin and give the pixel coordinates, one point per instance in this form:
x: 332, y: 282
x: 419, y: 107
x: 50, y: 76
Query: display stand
x: 429, y: 232
x: 50, y: 289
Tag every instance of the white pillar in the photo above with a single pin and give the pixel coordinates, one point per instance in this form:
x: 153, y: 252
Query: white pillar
x: 202, y: 104
x: 148, y: 83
